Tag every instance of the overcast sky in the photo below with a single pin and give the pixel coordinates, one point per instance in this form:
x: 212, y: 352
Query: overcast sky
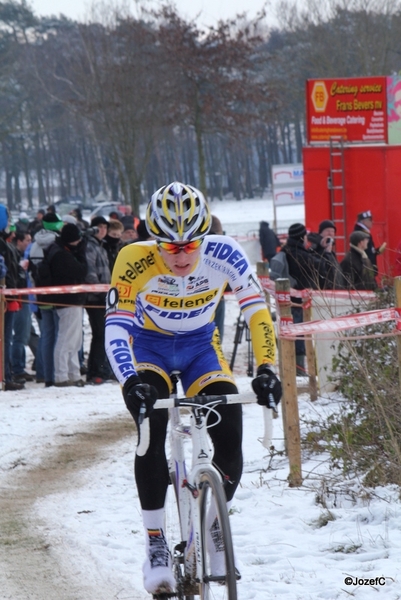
x: 209, y: 11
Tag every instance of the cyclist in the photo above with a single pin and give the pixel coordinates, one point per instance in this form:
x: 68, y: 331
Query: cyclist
x: 160, y: 317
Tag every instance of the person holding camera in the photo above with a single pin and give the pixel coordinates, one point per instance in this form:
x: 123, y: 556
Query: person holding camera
x: 322, y: 244
x: 98, y: 272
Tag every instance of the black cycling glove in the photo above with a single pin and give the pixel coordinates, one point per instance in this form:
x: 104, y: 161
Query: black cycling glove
x: 267, y: 387
x: 139, y: 397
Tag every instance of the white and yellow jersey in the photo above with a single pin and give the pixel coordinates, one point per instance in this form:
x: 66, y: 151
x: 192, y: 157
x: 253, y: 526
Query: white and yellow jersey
x: 145, y: 295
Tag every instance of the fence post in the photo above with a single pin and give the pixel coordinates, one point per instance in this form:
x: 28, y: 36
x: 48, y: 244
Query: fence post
x: 397, y: 287
x: 310, y: 354
x: 288, y: 379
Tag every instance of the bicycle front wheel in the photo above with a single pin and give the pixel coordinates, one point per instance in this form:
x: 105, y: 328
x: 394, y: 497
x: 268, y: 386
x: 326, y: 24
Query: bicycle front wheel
x: 219, y: 578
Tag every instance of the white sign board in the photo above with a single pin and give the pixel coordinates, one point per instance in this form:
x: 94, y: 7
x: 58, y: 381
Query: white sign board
x: 288, y: 184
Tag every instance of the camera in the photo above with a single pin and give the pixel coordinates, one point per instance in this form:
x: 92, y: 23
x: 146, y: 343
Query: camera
x: 91, y: 231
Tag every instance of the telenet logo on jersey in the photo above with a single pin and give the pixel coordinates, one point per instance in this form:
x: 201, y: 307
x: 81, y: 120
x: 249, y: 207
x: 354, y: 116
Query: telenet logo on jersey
x: 193, y: 302
x: 123, y: 290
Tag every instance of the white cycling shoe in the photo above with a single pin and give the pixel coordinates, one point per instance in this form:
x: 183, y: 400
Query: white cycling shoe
x: 158, y: 576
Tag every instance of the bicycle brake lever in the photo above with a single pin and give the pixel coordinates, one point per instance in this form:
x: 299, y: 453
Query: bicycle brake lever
x: 142, y: 413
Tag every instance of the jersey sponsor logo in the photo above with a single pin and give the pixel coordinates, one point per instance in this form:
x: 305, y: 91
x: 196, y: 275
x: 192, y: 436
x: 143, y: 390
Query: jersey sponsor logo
x: 230, y: 255
x: 123, y: 289
x: 212, y: 376
x: 193, y: 302
x: 197, y: 284
x: 137, y: 267
x: 167, y: 285
x: 177, y: 315
x: 122, y: 355
x: 213, y: 264
x: 269, y: 345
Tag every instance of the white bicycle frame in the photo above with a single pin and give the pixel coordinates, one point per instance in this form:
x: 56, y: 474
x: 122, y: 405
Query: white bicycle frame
x: 187, y: 484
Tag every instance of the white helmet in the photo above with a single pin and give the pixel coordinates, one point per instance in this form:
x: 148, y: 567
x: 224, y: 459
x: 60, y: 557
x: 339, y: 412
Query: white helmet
x: 178, y: 213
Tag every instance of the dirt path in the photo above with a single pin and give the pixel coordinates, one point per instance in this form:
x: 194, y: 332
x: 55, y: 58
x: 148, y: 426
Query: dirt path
x: 30, y: 568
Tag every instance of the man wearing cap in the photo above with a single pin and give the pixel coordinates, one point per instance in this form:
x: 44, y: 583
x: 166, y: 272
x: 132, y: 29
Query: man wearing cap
x: 68, y: 266
x: 364, y: 223
x: 322, y: 244
x: 357, y: 269
x: 98, y: 272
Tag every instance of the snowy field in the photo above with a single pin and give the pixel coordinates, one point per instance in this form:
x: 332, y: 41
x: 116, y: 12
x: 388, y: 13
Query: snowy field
x: 324, y: 540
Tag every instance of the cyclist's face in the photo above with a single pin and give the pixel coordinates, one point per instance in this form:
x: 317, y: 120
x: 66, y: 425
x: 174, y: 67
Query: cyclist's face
x: 180, y: 264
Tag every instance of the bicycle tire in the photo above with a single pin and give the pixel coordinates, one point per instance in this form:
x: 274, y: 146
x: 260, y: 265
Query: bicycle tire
x: 224, y: 587
x: 178, y: 554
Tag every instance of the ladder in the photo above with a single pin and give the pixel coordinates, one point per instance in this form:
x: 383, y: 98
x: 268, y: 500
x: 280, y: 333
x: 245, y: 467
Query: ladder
x: 336, y: 185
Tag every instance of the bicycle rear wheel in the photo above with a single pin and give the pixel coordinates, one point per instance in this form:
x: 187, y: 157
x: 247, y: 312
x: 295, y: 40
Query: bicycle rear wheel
x: 221, y: 585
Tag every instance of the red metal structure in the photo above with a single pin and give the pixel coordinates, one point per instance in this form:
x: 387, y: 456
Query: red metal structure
x: 343, y: 180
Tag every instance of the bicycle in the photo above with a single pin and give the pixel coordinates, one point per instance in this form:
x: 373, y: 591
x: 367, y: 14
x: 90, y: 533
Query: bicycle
x: 199, y: 496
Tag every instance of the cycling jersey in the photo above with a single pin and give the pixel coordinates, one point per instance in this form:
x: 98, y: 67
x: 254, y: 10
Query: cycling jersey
x: 147, y: 298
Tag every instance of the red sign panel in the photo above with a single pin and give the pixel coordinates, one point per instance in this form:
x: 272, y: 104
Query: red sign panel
x: 354, y: 109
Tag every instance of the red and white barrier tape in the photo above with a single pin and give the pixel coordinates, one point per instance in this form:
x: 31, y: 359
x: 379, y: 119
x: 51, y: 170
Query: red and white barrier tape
x: 57, y: 289
x: 270, y: 286
x: 291, y: 330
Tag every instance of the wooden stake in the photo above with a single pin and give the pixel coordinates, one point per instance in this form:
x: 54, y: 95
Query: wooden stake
x: 288, y: 379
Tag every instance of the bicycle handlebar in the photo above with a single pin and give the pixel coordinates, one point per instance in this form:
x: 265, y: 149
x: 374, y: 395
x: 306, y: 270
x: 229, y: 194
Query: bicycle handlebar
x: 244, y: 398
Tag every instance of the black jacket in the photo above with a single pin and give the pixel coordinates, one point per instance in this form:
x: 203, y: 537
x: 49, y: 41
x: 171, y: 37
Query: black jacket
x: 333, y: 277
x: 358, y: 271
x: 11, y: 260
x: 268, y: 241
x: 68, y: 267
x: 305, y: 266
x: 371, y: 250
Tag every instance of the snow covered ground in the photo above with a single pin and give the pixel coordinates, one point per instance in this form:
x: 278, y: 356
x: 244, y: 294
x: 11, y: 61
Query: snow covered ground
x: 320, y: 541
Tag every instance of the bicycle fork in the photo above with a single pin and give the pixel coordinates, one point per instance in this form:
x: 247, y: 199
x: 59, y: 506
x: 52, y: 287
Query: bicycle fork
x: 187, y: 486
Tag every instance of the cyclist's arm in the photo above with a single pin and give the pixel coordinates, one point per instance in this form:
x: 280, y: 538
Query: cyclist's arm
x: 120, y: 308
x: 253, y: 306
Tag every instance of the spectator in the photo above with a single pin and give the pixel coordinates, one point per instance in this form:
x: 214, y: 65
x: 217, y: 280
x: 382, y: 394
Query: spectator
x: 69, y: 219
x: 112, y: 240
x: 68, y: 266
x: 98, y: 272
x: 308, y: 271
x: 47, y: 314
x: 364, y: 223
x: 51, y: 209
x: 322, y: 244
x: 358, y: 271
x: 269, y: 241
x: 115, y: 215
x: 81, y: 223
x: 36, y: 223
x: 23, y: 222
x: 130, y: 235
x: 22, y: 318
x: 12, y: 304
